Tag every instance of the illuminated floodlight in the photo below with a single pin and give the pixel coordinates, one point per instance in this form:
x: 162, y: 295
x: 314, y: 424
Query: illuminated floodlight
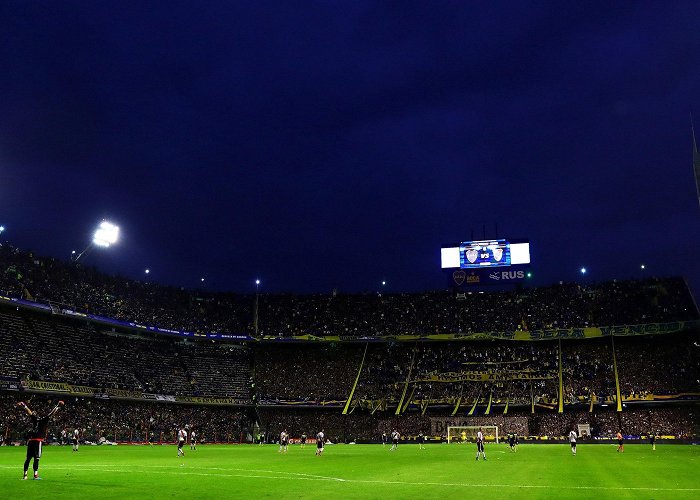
x: 257, y: 282
x: 107, y: 234
x: 202, y: 280
x: 583, y: 270
x: 147, y: 271
x: 383, y: 283
x: 2, y: 228
x: 643, y: 266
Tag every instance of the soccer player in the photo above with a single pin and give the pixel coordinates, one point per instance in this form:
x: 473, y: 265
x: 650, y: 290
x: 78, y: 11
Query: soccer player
x: 383, y: 438
x: 303, y: 440
x: 421, y: 440
x: 320, y: 438
x: 620, y: 442
x: 517, y: 441
x: 572, y: 440
x: 284, y: 441
x: 511, y: 442
x: 76, y: 436
x: 394, y: 440
x: 36, y: 436
x: 181, y: 438
x: 480, y: 444
x: 193, y: 440
x: 652, y: 440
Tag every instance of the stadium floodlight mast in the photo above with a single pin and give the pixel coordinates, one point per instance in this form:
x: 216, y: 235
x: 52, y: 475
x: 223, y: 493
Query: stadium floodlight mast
x: 255, y: 312
x: 643, y: 266
x: 583, y: 270
x: 2, y: 229
x: 106, y: 235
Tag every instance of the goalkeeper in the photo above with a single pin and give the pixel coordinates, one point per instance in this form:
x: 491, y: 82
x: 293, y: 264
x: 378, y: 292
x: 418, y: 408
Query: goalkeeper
x: 36, y: 436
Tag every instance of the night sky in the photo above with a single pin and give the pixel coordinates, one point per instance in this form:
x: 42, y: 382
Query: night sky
x: 328, y: 144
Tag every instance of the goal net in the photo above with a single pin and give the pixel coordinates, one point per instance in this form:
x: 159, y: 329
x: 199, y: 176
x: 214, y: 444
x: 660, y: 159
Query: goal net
x: 467, y: 433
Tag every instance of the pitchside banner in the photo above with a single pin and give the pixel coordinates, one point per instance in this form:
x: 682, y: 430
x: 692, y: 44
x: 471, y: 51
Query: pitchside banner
x: 482, y: 376
x: 520, y: 335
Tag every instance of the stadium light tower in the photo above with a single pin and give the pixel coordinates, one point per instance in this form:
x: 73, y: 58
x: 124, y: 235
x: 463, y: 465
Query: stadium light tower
x: 106, y: 235
x: 2, y: 229
x: 583, y: 270
x: 255, y: 313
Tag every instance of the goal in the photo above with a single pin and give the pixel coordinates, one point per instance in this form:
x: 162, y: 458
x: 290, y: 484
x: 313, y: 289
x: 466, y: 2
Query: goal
x: 467, y: 433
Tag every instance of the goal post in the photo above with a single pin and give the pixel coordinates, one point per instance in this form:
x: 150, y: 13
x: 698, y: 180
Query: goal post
x: 467, y: 433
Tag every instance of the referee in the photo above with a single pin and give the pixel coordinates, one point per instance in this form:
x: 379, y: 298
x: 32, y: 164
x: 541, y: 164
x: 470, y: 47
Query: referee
x: 36, y: 436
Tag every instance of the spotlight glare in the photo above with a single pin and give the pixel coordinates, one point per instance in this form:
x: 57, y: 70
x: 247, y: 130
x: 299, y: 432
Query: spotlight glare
x: 257, y: 282
x: 583, y: 270
x: 107, y: 234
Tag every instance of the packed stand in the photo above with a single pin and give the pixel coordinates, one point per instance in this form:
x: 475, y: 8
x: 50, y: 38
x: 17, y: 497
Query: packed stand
x: 47, y: 348
x: 566, y: 305
x: 124, y: 421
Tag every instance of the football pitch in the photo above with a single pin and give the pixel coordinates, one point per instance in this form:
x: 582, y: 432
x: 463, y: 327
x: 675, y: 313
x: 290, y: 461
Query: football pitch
x: 356, y: 471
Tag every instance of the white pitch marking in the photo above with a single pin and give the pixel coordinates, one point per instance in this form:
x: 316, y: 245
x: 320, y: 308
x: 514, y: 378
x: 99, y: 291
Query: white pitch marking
x: 99, y: 467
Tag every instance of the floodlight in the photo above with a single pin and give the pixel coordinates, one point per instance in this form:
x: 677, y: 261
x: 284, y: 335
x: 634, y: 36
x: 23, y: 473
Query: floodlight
x: 643, y: 266
x: 383, y: 283
x: 583, y: 270
x: 257, y: 282
x: 2, y: 228
x: 106, y: 234
x: 148, y: 271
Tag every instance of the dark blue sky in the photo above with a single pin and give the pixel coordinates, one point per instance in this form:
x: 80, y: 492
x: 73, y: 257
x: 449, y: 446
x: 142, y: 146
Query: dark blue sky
x: 335, y: 144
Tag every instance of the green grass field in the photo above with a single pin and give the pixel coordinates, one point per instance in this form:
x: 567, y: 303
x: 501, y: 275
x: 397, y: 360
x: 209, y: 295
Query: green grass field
x: 356, y: 471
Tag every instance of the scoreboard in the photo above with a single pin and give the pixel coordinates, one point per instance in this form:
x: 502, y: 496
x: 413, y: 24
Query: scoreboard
x: 495, y: 261
x: 485, y: 253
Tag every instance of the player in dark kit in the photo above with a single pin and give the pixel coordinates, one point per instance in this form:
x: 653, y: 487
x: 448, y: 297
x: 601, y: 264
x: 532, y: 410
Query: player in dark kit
x: 303, y: 440
x: 511, y: 441
x: 36, y: 436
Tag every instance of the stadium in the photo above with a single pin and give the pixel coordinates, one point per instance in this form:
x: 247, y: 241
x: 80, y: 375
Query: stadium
x: 136, y: 361
x: 370, y: 250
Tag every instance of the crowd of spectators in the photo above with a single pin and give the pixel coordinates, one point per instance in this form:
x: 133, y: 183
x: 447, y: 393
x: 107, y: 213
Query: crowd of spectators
x: 124, y: 421
x: 680, y: 422
x: 677, y: 422
x: 53, y: 348
x: 566, y: 305
x: 661, y: 365
x: 42, y: 347
x: 83, y: 353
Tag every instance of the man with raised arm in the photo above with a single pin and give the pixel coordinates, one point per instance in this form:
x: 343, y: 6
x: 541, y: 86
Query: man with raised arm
x: 37, y: 434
